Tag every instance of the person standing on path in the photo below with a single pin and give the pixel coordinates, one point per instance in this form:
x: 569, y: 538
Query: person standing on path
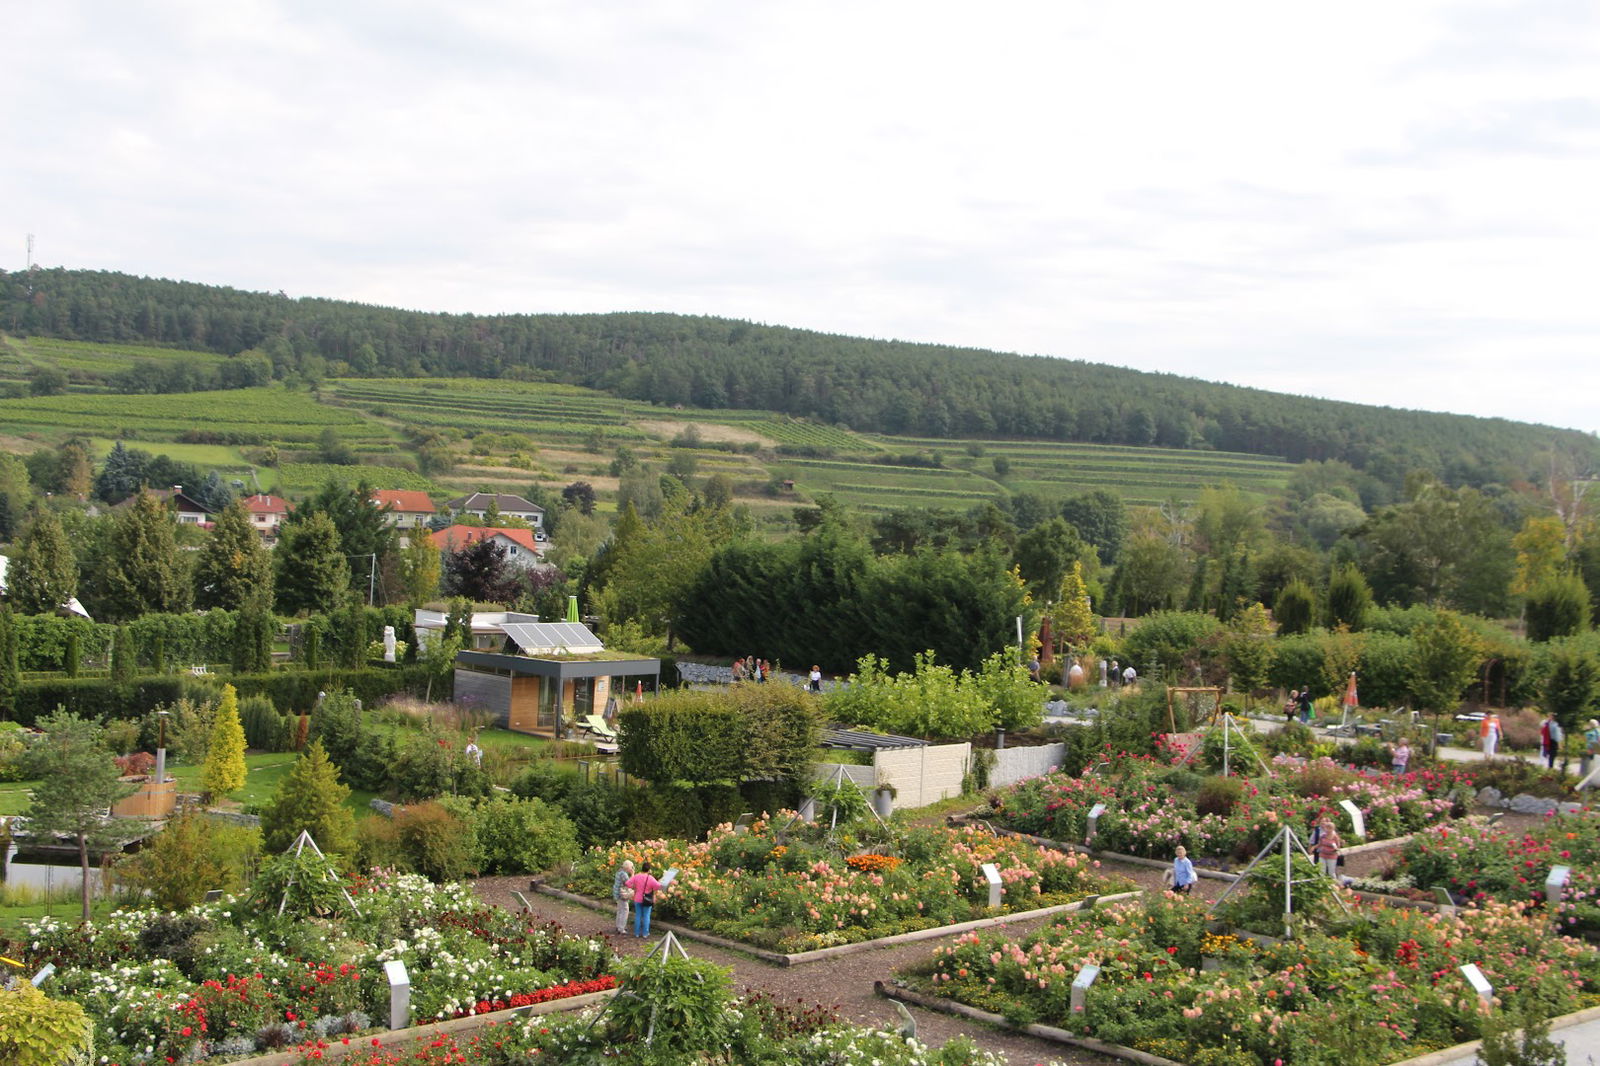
x: 1400, y: 757
x: 1490, y: 732
x: 644, y: 899
x: 1183, y: 875
x: 1291, y: 706
x: 624, y: 872
x: 815, y: 678
x: 1550, y: 738
x: 1130, y: 676
x: 1308, y: 708
x: 1591, y: 747
x: 1326, y: 849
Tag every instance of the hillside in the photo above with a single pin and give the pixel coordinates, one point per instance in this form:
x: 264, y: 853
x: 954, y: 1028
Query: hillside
x: 737, y: 373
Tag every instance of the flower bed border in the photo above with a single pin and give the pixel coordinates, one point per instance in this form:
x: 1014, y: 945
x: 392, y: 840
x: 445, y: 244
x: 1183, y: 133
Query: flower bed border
x: 337, y: 1048
x: 1063, y: 1036
x: 818, y: 954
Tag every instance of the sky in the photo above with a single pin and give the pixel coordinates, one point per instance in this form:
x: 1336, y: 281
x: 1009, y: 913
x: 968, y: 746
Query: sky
x: 1387, y: 202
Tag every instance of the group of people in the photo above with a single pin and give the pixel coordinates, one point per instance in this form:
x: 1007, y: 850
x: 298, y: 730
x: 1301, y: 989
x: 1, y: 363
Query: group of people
x: 752, y: 669
x: 1116, y: 674
x: 1299, y: 705
x: 638, y: 889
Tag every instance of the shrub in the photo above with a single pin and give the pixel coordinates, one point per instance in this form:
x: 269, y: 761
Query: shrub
x: 264, y: 728
x: 310, y: 798
x: 1219, y: 795
x: 38, y: 1031
x: 1320, y: 778
x: 191, y: 856
x: 435, y: 842
x: 522, y: 836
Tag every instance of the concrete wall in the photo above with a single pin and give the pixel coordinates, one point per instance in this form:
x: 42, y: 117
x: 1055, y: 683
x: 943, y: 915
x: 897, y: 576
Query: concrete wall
x: 488, y: 691
x: 1014, y: 764
x: 924, y: 775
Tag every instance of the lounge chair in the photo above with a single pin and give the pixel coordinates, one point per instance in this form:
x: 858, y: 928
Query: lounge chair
x: 595, y: 724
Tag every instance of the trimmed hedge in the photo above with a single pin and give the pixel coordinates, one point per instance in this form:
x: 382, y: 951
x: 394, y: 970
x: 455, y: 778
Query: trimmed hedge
x: 291, y: 691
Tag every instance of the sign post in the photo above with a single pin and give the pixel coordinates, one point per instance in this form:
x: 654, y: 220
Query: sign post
x: 991, y: 874
x: 1094, y: 821
x: 1480, y: 984
x: 1357, y: 820
x: 1080, y: 986
x: 399, y: 993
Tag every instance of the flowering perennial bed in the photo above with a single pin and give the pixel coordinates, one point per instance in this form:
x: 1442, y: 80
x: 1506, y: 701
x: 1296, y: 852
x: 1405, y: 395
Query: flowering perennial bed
x: 1151, y: 807
x: 1480, y: 862
x: 228, y: 980
x: 1379, y: 988
x: 808, y: 893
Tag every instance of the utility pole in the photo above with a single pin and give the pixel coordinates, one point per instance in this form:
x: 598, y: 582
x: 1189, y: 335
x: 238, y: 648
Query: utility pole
x: 30, y: 251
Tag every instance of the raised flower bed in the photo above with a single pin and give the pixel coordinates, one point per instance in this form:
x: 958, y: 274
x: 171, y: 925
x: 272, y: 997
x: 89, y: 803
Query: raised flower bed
x: 1477, y: 862
x: 1379, y: 988
x: 807, y: 892
x: 228, y: 979
x: 1152, y: 806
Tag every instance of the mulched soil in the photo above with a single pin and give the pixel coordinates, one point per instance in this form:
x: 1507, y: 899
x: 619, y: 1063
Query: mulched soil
x: 846, y: 983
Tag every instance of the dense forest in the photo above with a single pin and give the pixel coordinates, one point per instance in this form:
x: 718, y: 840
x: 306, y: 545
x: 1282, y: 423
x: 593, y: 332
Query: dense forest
x: 876, y: 386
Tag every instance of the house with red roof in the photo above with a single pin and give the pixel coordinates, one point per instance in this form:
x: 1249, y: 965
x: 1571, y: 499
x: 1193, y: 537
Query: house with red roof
x: 407, y: 508
x: 520, y: 546
x: 267, y: 515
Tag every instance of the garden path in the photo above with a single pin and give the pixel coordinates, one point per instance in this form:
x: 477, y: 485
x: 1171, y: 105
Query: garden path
x: 845, y: 983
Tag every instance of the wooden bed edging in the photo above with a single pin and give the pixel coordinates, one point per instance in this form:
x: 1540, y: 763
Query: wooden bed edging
x: 803, y: 957
x: 337, y: 1048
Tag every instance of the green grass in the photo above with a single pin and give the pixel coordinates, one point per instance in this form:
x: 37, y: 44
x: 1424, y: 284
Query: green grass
x: 61, y: 905
x: 272, y: 414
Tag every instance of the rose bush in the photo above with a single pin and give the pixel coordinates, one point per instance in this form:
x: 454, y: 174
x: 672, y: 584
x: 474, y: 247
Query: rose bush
x: 806, y: 893
x: 226, y: 980
x: 1379, y: 988
x: 1151, y: 806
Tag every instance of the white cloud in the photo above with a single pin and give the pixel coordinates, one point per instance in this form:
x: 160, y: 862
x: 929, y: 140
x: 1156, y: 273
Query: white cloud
x: 1381, y: 202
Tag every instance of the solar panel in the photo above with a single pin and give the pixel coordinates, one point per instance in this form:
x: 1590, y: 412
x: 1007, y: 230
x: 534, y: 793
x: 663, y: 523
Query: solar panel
x: 562, y: 636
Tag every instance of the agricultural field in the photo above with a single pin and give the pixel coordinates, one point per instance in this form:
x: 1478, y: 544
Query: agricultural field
x: 301, y: 478
x: 84, y: 358
x: 267, y: 414
x: 882, y: 487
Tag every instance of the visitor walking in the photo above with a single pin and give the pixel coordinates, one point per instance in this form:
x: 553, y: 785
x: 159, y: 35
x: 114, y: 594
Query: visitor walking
x: 644, y: 899
x: 1489, y: 732
x: 1308, y: 708
x: 1182, y: 874
x: 1550, y: 738
x: 1116, y: 674
x: 1591, y: 747
x: 621, y: 895
x: 1400, y: 757
x: 1033, y: 669
x: 1291, y: 706
x: 815, y: 678
x: 1129, y: 675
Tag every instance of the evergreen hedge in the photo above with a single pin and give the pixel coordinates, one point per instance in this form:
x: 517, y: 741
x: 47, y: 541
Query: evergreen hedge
x: 291, y: 691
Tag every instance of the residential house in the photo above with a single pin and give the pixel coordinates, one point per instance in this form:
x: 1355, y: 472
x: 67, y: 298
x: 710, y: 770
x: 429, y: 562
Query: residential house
x: 479, y: 503
x: 267, y: 515
x: 406, y: 509
x: 188, y: 511
x: 521, y: 548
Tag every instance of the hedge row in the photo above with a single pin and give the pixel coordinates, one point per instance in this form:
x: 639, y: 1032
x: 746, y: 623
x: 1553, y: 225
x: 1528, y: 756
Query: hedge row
x: 291, y: 691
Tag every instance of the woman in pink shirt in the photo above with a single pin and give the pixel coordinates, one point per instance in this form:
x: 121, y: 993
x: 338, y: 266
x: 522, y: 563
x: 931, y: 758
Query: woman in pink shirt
x: 644, y: 899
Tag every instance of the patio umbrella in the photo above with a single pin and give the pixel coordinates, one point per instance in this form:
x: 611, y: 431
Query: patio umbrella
x: 572, y: 608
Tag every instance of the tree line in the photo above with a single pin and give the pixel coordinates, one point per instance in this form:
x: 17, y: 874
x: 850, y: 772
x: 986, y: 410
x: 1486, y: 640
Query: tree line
x: 878, y: 386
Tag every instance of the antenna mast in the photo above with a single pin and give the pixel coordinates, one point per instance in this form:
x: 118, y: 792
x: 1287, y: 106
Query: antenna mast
x: 30, y: 251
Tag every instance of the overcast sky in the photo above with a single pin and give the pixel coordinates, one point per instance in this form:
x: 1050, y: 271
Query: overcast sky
x: 1393, y: 202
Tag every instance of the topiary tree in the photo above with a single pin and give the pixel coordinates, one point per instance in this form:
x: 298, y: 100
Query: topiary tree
x: 1295, y: 608
x: 311, y: 798
x: 1349, y: 597
x: 1557, y: 606
x: 224, y: 768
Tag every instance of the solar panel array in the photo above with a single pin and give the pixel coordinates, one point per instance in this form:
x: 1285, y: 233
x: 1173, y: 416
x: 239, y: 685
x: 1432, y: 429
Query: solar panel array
x: 559, y: 636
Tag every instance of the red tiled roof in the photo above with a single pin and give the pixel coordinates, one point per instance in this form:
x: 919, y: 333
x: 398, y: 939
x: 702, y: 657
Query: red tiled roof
x: 266, y: 503
x: 409, y: 501
x: 454, y: 538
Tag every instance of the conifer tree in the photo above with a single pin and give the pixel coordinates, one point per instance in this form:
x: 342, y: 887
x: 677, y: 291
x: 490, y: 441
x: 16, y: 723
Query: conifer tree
x: 44, y: 573
x: 419, y: 567
x: 1072, y: 615
x: 1349, y: 597
x: 10, y: 675
x: 313, y: 574
x: 311, y: 798
x: 233, y: 567
x: 224, y: 766
x: 142, y: 571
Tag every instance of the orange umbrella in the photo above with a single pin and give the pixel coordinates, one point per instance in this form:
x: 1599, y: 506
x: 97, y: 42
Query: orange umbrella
x: 1350, y: 699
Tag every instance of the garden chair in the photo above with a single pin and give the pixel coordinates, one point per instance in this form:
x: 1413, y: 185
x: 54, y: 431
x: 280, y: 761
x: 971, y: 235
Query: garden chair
x: 593, y: 723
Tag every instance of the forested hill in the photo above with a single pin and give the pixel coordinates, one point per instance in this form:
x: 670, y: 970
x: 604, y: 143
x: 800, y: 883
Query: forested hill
x: 879, y: 386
